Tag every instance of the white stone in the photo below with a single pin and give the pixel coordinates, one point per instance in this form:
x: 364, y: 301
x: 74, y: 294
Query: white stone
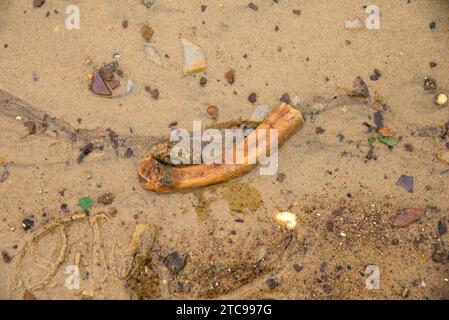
x: 153, y: 55
x: 194, y: 58
x: 259, y: 113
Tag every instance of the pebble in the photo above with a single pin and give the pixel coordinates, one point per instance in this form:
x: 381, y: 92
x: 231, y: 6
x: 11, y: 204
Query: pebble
x: 125, y: 24
x: 360, y: 89
x: 213, y: 112
x: 298, y: 267
x: 442, y: 227
x: 148, y: 3
x: 203, y: 81
x: 129, y: 153
x: 153, y: 91
x: 406, y: 182
x: 252, y: 97
x: 281, y: 177
x: 6, y: 257
x: 252, y: 6
x: 259, y: 113
x: 285, y: 98
x: 38, y: 3
x: 147, y: 32
x: 29, y: 296
x: 429, y: 84
x: 272, y: 283
x: 27, y: 224
x: 408, y: 216
x: 297, y: 12
x: 230, y: 76
x: 174, y: 262
x: 194, y: 58
x: 106, y: 199
x: 31, y: 127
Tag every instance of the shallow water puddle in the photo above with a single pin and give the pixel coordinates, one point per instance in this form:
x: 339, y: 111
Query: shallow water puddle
x: 241, y: 198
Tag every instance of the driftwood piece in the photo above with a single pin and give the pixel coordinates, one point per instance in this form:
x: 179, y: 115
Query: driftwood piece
x: 162, y: 178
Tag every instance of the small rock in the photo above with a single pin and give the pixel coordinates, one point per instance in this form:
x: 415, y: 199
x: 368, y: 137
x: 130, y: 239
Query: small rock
x: 27, y: 224
x: 106, y: 199
x: 408, y: 216
x: 31, y: 127
x: 259, y: 113
x: 252, y: 6
x: 6, y: 257
x: 65, y: 208
x: 330, y: 226
x: 252, y: 97
x: 174, y: 262
x: 38, y: 3
x: 272, y: 283
x: 298, y: 267
x: 442, y: 227
x: 360, y: 89
x: 194, y: 58
x: 319, y: 130
x: 4, y: 175
x: 85, y: 151
x: 327, y: 288
x: 203, y: 8
x: 405, y: 293
x: 213, y: 112
x: 432, y: 64
x: 297, y: 12
x: 285, y: 98
x: 429, y: 84
x: 408, y: 147
x: 29, y: 296
x: 281, y: 177
x: 203, y: 81
x: 129, y: 153
x: 230, y: 76
x: 147, y: 32
x: 406, y: 182
x: 125, y: 24
x: 432, y: 25
x: 148, y: 3
x: 376, y: 75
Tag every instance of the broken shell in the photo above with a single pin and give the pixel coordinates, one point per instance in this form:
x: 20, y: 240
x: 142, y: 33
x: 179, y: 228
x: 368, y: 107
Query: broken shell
x: 90, y: 76
x: 129, y: 86
x: 386, y: 132
x: 443, y: 156
x: 213, y: 112
x: 287, y: 219
x: 153, y: 55
x: 194, y: 58
x: 408, y: 216
x: 359, y: 88
x: 260, y: 113
x: 441, y: 99
x: 147, y: 32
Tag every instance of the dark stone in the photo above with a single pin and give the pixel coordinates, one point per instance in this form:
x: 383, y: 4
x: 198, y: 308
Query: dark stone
x: 298, y: 267
x: 27, y: 224
x: 442, y: 227
x: 174, y: 262
x: 272, y: 283
x: 405, y: 182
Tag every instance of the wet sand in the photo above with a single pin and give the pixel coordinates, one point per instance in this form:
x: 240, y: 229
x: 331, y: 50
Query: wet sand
x: 346, y: 202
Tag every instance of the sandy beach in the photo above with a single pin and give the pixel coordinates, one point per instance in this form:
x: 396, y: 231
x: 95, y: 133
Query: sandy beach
x: 338, y: 174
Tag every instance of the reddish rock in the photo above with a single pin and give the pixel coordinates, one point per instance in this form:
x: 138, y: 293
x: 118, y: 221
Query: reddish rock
x: 408, y: 216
